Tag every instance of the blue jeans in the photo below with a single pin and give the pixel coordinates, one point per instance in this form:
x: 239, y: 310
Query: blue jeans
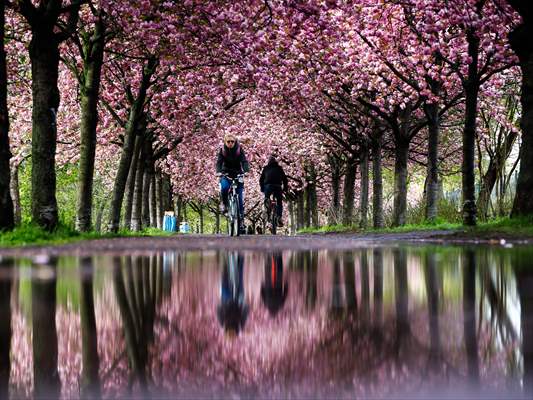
x: 225, y: 184
x: 278, y: 194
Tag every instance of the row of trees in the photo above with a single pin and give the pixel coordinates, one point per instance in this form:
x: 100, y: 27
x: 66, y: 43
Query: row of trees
x: 148, y: 89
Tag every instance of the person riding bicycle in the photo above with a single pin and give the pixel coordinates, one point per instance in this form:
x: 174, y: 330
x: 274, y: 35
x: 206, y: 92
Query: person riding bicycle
x: 231, y: 162
x: 273, y: 181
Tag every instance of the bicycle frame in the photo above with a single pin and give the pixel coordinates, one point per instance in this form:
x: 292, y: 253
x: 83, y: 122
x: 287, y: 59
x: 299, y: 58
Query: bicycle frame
x: 234, y: 217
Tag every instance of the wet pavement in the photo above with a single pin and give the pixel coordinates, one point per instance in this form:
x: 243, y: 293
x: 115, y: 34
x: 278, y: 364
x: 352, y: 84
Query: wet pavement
x: 305, y: 317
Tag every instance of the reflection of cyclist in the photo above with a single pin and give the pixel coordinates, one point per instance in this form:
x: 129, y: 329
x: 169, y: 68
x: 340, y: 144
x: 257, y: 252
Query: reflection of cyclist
x: 232, y: 311
x: 273, y: 288
x: 231, y: 161
x: 273, y: 181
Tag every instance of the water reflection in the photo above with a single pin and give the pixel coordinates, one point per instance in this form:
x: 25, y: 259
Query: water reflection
x: 379, y: 322
x: 274, y: 288
x: 232, y: 311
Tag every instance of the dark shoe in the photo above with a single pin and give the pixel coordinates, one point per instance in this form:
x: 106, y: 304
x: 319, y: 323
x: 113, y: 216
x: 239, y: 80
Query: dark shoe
x: 280, y: 222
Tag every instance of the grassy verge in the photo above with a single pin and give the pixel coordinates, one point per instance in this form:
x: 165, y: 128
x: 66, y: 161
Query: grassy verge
x: 515, y: 228
x: 34, y: 235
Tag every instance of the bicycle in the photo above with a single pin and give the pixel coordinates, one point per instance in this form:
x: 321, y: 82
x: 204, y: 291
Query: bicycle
x: 272, y: 214
x: 234, y: 216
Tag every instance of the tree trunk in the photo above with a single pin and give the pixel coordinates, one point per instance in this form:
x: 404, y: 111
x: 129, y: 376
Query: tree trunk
x: 159, y: 201
x: 89, y: 93
x: 45, y: 349
x: 5, y: 325
x: 522, y: 45
x: 155, y: 186
x: 471, y: 87
x: 363, y: 196
x: 365, y: 287
x: 131, y: 181
x: 178, y: 210
x: 14, y: 188
x: 432, y: 187
x: 300, y: 211
x: 99, y: 217
x: 136, y: 212
x: 44, y: 55
x: 377, y: 266
x: 349, y: 191
x: 400, y: 180
x: 334, y: 212
x: 201, y: 215
x: 349, y: 282
x: 90, y: 380
x: 134, y: 119
x: 401, y: 292
x: 377, y: 183
x: 7, y: 217
x: 147, y: 181
x: 217, y: 222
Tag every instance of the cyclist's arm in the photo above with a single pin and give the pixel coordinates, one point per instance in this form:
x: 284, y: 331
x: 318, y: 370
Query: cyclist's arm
x: 262, y: 181
x: 285, y: 181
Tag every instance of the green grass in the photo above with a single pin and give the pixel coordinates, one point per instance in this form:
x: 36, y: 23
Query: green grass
x: 516, y: 227
x: 34, y: 235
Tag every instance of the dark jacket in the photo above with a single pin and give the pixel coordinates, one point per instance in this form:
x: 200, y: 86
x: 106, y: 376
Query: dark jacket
x: 232, y: 161
x: 273, y: 174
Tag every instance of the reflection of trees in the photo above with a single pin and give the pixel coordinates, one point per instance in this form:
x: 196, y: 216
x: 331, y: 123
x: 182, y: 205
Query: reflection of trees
x: 311, y: 269
x: 337, y: 302
x: 402, y: 297
x: 138, y: 286
x: 469, y: 314
x: 524, y: 278
x: 378, y: 287
x: 90, y: 381
x: 5, y: 325
x: 43, y: 305
x: 432, y: 290
x: 365, y: 286
x: 349, y: 282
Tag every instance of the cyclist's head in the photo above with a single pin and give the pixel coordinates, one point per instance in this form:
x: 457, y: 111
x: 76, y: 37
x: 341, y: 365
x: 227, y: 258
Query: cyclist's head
x: 230, y: 140
x: 272, y: 159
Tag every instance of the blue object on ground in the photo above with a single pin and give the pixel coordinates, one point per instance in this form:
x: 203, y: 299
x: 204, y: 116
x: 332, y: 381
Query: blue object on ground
x: 169, y: 223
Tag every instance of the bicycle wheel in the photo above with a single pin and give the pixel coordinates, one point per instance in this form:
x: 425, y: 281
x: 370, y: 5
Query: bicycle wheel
x: 231, y: 216
x: 273, y: 219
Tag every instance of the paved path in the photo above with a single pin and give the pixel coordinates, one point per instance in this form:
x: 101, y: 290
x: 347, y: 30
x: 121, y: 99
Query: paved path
x: 252, y: 242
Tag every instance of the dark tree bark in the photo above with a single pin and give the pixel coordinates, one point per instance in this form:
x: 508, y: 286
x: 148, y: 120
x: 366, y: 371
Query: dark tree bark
x: 90, y: 380
x: 363, y: 196
x: 131, y: 181
x: 147, y: 180
x: 400, y: 180
x: 44, y: 56
x: 349, y: 191
x: 154, y: 209
x: 159, y: 212
x: 93, y: 55
x: 135, y: 117
x: 432, y: 185
x: 469, y: 315
x: 7, y: 217
x: 521, y: 43
x: 136, y: 212
x: 311, y: 281
x: 377, y: 182
x: 334, y: 212
x: 471, y: 88
x: 300, y: 210
x: 312, y: 197
x: 43, y: 308
x: 5, y: 327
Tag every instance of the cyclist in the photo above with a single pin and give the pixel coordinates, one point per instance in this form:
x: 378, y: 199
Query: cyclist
x: 274, y: 181
x: 231, y: 162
